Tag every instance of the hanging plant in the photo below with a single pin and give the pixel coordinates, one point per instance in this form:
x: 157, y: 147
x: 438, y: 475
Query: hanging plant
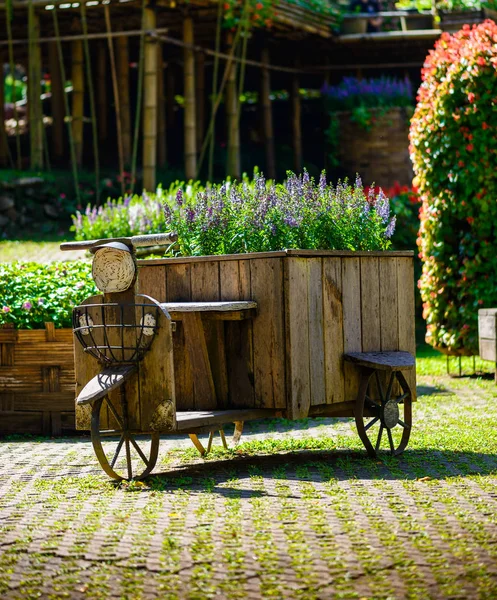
x: 259, y: 13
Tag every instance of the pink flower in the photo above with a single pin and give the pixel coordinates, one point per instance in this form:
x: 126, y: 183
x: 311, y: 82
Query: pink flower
x: 27, y: 305
x: 6, y: 309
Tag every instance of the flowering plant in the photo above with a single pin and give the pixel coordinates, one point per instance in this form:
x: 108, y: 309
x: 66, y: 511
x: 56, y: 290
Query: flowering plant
x: 250, y: 216
x: 453, y: 147
x: 32, y: 294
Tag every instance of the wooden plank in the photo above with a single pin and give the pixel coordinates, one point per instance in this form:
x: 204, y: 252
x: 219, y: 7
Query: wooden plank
x: 370, y: 305
x: 352, y: 322
x: 106, y: 381
x: 234, y: 280
x: 389, y: 336
x: 316, y: 331
x: 383, y: 361
x: 222, y: 306
x: 488, y: 350
x: 27, y: 422
x: 205, y: 288
x: 486, y: 327
x: 196, y: 346
x: 405, y: 292
x: 333, y: 329
x: 266, y: 277
x: 152, y: 282
x: 178, y: 289
x: 156, y: 381
x: 193, y: 419
x: 49, y: 401
x: 297, y: 337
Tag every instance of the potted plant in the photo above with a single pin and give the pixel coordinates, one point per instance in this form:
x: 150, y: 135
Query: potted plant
x: 368, y: 130
x: 456, y: 13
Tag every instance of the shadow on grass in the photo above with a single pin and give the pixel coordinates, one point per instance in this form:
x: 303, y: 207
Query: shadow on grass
x: 321, y: 465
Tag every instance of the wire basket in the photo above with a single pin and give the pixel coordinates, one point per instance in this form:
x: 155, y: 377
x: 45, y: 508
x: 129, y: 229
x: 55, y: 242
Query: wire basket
x: 116, y: 333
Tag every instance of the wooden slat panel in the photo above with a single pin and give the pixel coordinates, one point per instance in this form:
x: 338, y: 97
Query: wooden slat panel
x: 46, y: 401
x: 352, y: 323
x: 316, y: 331
x: 486, y: 327
x: 266, y: 276
x: 179, y: 289
x: 25, y: 422
x: 152, y: 282
x: 370, y: 305
x: 407, y: 337
x: 235, y: 285
x: 53, y: 353
x: 205, y: 288
x: 388, y: 305
x: 297, y: 337
x: 333, y: 329
x: 488, y: 350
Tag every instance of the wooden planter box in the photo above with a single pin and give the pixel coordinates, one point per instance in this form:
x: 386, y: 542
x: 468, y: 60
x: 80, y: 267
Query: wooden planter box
x: 453, y: 21
x: 380, y: 155
x: 36, y: 381
x: 312, y: 307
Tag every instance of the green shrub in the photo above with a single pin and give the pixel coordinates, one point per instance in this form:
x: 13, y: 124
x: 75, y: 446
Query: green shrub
x: 251, y: 216
x: 33, y: 293
x: 453, y: 148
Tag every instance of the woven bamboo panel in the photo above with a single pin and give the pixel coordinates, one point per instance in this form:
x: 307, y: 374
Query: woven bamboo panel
x: 379, y: 156
x: 36, y: 381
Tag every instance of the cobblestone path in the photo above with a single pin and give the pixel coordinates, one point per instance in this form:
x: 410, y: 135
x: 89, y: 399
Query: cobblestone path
x: 297, y: 511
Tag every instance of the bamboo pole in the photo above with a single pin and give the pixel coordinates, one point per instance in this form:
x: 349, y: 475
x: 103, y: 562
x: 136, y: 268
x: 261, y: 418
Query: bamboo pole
x: 57, y: 102
x: 102, y: 91
x: 189, y: 94
x: 4, y: 148
x: 170, y: 92
x: 200, y: 96
x: 122, y: 59
x: 150, y: 104
x: 139, y: 99
x: 267, y: 116
x: 161, y: 111
x: 10, y: 42
x: 115, y: 93
x: 296, y: 123
x: 233, y: 159
x: 78, y: 97
x: 35, y: 110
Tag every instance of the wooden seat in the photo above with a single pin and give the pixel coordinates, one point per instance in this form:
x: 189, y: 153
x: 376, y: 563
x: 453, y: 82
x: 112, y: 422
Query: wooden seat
x: 192, y: 420
x: 383, y: 361
x: 215, y: 311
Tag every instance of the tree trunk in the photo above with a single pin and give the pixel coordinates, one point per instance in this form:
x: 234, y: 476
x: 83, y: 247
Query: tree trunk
x: 150, y: 104
x: 233, y: 167
x: 34, y: 95
x: 267, y: 117
x: 189, y: 93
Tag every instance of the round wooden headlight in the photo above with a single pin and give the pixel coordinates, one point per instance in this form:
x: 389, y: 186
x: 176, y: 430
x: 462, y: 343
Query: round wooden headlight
x: 113, y: 268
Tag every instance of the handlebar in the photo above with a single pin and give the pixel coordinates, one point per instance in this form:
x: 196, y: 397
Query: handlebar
x: 137, y: 241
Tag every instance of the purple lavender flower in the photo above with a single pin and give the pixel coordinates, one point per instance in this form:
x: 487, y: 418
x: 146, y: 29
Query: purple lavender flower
x: 179, y: 197
x: 27, y: 305
x: 190, y: 215
x: 382, y: 207
x: 391, y: 227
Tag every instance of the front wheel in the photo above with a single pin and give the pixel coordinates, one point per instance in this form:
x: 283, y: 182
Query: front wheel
x: 387, y: 420
x: 122, y: 454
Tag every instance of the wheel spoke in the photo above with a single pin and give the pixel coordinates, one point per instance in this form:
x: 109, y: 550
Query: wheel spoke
x: 378, y: 441
x: 404, y: 425
x: 375, y: 402
x: 400, y: 399
x: 390, y: 385
x: 111, y: 433
x: 139, y: 450
x: 128, y: 460
x: 118, y: 450
x: 115, y: 414
x: 390, y: 439
x: 380, y: 389
x: 371, y: 423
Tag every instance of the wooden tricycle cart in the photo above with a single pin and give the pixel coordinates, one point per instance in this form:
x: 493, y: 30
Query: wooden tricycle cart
x: 194, y: 343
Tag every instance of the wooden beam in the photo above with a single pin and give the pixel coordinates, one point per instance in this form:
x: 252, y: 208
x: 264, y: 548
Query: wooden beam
x: 161, y: 111
x: 78, y: 98
x: 200, y: 96
x: 190, y: 110
x: 102, y: 91
x: 34, y: 94
x: 150, y: 104
x: 122, y: 59
x: 57, y: 102
x: 233, y: 166
x: 296, y: 123
x: 267, y: 116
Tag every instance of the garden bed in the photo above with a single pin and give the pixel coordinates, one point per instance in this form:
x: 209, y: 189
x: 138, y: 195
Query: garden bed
x: 36, y: 381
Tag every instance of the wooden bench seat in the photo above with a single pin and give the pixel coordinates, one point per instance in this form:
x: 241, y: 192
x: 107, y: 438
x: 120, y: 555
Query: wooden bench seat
x: 384, y: 361
x: 214, y: 311
x: 194, y: 419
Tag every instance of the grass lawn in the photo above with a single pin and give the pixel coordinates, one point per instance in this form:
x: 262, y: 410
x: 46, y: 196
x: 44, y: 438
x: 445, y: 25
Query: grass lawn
x: 296, y: 511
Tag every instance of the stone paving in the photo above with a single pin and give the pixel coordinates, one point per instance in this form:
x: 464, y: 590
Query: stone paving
x: 322, y: 521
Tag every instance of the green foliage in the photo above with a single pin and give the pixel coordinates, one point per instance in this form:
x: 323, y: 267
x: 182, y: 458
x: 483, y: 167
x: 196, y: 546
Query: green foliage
x: 453, y: 148
x: 32, y: 294
x: 250, y: 216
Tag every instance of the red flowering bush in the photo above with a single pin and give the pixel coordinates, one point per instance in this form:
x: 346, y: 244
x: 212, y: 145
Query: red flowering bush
x: 453, y: 149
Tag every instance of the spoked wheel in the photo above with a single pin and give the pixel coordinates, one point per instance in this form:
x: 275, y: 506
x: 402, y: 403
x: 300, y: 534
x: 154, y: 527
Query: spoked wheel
x: 122, y: 454
x: 387, y: 420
